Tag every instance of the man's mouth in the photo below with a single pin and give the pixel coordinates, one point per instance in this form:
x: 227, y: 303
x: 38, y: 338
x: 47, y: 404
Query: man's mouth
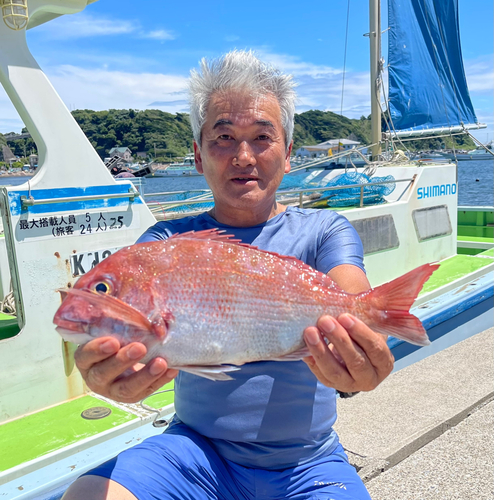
x: 244, y: 179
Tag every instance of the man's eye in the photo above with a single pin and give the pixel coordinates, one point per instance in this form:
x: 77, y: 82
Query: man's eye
x: 225, y: 137
x: 263, y: 137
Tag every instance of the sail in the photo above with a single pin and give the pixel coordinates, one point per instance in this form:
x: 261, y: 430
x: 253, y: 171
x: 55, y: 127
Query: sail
x: 427, y: 84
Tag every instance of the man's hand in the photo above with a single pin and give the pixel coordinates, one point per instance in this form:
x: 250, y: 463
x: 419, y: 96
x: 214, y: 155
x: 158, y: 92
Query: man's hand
x: 354, y: 358
x: 116, y: 373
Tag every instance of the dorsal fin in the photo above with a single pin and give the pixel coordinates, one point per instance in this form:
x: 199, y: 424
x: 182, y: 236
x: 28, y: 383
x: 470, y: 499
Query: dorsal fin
x: 216, y: 234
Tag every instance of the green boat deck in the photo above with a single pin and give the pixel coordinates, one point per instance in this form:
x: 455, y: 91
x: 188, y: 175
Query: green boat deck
x: 52, y: 429
x: 8, y: 326
x: 475, y: 230
x: 455, y: 268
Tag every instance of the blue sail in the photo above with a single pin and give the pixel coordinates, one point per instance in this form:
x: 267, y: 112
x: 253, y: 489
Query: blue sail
x: 427, y: 84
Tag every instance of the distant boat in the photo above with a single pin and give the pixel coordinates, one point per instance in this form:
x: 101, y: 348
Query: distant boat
x: 187, y: 167
x: 476, y: 154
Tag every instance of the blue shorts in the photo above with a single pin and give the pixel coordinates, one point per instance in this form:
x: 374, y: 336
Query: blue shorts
x: 182, y: 464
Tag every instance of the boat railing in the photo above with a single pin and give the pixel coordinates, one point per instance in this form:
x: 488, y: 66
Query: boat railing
x: 302, y: 197
x: 301, y: 192
x: 29, y: 201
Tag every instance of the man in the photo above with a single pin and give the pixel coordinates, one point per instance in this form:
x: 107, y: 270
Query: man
x: 267, y: 433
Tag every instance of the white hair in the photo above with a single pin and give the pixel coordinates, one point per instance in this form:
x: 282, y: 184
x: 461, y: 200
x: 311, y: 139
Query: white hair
x: 239, y: 70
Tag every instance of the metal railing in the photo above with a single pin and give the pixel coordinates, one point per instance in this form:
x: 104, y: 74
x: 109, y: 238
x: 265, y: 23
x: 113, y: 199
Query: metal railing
x: 301, y: 192
x: 29, y: 201
x: 281, y: 195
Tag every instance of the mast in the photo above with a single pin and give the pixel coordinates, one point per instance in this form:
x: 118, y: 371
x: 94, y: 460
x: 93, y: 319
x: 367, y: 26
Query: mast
x: 375, y: 51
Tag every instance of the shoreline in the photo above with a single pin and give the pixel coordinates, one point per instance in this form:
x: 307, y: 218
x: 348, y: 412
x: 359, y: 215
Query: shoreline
x: 17, y: 174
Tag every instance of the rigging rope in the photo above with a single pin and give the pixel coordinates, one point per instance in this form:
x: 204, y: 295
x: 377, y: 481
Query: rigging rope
x: 344, y: 58
x: 7, y: 305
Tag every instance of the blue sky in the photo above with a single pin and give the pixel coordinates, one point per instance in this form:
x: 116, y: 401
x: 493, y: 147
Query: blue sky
x: 128, y: 54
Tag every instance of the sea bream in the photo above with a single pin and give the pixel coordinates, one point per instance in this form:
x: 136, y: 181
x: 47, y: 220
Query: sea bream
x: 207, y: 303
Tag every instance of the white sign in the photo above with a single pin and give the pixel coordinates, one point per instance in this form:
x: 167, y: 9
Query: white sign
x: 31, y: 227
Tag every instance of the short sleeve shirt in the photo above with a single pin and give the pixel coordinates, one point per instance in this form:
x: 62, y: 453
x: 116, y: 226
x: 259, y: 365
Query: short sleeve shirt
x: 272, y: 414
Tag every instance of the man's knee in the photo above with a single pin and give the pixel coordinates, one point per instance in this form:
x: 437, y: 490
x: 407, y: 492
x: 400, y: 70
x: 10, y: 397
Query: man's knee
x: 97, y: 488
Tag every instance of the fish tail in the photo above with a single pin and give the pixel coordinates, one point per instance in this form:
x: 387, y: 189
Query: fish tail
x: 393, y: 301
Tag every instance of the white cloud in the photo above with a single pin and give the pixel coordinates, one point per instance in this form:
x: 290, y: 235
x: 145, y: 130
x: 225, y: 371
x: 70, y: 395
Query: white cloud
x: 159, y: 35
x: 480, y: 74
x: 99, y: 89
x: 85, y: 25
x: 295, y: 66
x: 320, y: 86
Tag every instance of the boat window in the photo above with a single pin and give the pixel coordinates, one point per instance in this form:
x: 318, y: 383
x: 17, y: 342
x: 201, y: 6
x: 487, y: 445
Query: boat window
x: 377, y: 233
x: 432, y: 222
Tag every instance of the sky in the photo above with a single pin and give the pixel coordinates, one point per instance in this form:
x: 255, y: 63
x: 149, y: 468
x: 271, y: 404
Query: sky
x: 124, y: 54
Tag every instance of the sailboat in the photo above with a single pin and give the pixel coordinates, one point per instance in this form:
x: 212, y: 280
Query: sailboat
x: 57, y: 226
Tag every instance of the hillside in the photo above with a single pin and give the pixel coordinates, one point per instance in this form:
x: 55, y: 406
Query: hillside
x: 166, y: 136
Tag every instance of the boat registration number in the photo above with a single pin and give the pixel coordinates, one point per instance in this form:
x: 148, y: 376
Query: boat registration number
x: 81, y: 263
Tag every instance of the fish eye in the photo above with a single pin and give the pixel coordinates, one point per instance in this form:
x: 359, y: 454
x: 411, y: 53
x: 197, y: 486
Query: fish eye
x: 102, y: 287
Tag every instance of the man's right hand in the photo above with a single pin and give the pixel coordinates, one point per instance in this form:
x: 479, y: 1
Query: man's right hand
x: 116, y: 373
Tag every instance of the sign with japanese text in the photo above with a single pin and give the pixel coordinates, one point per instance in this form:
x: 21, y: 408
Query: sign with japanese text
x: 31, y: 227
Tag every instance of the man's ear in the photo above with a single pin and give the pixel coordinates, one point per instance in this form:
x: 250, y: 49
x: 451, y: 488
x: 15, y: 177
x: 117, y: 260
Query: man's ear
x: 198, y: 158
x: 287, y: 158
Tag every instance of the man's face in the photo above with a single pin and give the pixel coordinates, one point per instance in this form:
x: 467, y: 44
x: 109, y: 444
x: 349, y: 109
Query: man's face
x: 243, y: 155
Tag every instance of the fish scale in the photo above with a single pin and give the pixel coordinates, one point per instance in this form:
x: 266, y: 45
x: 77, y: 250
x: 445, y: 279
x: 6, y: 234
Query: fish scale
x: 204, y: 302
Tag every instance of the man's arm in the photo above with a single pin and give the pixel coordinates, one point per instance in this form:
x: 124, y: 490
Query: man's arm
x: 355, y: 358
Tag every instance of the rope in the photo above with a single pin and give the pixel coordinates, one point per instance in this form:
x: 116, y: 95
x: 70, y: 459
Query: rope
x: 344, y: 58
x: 436, y: 66
x: 390, y: 119
x: 8, y: 304
x: 477, y: 141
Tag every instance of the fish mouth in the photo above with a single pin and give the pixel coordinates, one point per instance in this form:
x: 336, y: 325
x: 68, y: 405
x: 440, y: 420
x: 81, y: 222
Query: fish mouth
x: 73, y: 336
x: 70, y: 326
x: 86, y: 314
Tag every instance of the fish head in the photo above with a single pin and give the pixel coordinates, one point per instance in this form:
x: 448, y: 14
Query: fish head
x: 114, y: 299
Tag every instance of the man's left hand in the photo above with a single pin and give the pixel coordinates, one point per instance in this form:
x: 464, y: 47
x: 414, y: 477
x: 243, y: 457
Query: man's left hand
x: 354, y: 358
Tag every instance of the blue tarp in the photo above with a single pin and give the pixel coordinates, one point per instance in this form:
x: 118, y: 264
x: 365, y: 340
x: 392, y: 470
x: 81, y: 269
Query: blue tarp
x: 427, y: 84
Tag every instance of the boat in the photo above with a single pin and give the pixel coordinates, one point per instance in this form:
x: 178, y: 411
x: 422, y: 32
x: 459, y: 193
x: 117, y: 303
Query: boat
x: 187, y: 167
x: 116, y: 169
x: 475, y: 154
x: 57, y: 226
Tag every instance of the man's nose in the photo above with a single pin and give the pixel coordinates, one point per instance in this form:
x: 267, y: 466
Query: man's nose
x: 245, y: 156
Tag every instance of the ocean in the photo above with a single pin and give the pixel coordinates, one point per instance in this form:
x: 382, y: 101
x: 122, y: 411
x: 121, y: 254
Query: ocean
x: 475, y: 183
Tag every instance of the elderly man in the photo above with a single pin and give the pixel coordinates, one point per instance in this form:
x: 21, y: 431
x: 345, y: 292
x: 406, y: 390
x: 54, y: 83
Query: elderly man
x: 268, y: 433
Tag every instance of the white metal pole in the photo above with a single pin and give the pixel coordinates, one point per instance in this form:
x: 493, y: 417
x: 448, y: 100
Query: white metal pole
x: 375, y: 50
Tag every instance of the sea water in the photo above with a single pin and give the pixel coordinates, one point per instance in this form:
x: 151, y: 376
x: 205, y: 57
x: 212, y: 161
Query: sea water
x: 475, y: 183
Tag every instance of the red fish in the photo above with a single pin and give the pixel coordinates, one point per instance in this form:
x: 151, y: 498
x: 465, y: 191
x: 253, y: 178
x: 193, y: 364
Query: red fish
x: 204, y: 302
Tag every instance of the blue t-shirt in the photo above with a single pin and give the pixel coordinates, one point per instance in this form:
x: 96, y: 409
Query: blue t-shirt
x: 272, y: 415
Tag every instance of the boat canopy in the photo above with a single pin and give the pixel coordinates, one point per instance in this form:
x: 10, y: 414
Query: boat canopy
x: 427, y: 84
